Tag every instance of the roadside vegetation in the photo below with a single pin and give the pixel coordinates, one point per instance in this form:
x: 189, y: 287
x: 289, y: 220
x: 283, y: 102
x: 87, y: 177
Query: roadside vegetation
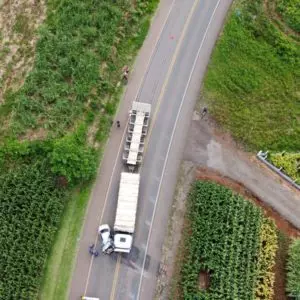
x: 252, y: 83
x: 290, y: 12
x: 289, y: 162
x: 52, y: 133
x: 293, y: 267
x: 229, y: 247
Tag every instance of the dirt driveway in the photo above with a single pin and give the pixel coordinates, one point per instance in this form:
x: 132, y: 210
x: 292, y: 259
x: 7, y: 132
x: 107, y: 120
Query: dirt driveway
x: 209, y: 148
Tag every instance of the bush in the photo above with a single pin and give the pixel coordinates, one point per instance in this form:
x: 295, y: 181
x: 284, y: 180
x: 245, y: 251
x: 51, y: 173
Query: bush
x: 289, y: 162
x: 293, y: 268
x: 74, y: 160
x: 290, y: 11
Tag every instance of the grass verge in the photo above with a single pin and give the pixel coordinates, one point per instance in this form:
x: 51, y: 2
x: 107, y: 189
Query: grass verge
x: 61, y: 260
x: 252, y: 83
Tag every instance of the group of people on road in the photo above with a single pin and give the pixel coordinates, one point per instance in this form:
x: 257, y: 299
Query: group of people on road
x: 93, y: 251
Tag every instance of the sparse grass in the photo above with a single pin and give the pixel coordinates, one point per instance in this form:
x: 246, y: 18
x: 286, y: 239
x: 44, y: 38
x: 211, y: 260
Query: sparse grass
x: 68, y: 80
x: 252, y: 83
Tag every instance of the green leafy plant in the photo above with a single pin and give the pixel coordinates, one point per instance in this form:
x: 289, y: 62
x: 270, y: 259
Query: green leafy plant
x: 289, y: 162
x: 252, y: 83
x: 73, y: 159
x: 290, y: 11
x: 30, y: 209
x: 293, y: 268
x: 229, y: 237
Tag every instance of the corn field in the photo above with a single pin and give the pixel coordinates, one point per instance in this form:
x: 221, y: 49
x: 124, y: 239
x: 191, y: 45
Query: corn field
x: 224, y: 239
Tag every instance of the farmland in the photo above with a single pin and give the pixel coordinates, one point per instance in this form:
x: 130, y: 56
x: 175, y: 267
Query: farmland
x: 252, y: 83
x: 31, y: 207
x: 55, y: 117
x: 228, y: 239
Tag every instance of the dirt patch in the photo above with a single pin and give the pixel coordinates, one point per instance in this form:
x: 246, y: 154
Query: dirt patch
x: 19, y: 20
x: 282, y: 224
x: 204, y: 280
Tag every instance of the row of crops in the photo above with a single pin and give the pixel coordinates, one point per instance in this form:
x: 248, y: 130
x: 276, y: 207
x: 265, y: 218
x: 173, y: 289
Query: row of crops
x: 230, y: 239
x: 30, y: 209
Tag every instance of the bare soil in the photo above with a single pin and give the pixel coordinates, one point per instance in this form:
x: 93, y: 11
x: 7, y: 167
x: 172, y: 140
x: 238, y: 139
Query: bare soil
x: 204, y: 280
x: 19, y: 20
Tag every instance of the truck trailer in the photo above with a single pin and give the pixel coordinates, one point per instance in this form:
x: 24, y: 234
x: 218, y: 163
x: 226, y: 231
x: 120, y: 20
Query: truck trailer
x: 126, y: 212
x: 124, y: 226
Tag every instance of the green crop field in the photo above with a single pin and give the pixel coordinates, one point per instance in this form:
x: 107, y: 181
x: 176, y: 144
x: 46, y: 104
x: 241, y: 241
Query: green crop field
x: 229, y: 239
x: 253, y: 81
x: 52, y: 132
x: 30, y: 210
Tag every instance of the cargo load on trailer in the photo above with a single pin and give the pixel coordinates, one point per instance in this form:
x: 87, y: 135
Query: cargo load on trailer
x: 126, y: 211
x: 136, y: 132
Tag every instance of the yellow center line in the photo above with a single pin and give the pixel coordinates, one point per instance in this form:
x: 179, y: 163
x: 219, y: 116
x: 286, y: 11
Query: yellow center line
x: 159, y: 100
x: 116, y: 276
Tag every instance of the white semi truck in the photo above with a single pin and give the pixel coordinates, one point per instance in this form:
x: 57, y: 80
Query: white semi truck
x: 128, y: 196
x: 126, y: 212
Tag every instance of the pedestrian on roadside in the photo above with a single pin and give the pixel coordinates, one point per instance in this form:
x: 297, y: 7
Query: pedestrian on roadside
x: 125, y: 73
x: 204, y: 112
x: 118, y: 124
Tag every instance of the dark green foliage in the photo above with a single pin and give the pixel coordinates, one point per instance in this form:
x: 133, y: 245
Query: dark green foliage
x: 30, y: 211
x: 252, y: 84
x: 72, y: 159
x: 293, y: 268
x: 290, y: 11
x: 224, y: 240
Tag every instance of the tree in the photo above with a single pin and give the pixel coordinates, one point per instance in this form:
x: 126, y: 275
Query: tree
x: 73, y: 159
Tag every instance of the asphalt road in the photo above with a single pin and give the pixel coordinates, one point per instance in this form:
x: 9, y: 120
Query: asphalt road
x: 168, y: 75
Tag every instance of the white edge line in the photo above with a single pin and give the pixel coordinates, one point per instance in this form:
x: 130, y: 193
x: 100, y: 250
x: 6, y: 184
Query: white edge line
x: 121, y: 144
x: 172, y: 136
x: 104, y: 205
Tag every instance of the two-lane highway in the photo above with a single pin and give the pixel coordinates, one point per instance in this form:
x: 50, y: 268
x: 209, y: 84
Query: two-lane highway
x: 170, y: 82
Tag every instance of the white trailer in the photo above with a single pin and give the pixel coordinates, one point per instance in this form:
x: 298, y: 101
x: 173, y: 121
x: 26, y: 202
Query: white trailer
x: 139, y: 116
x: 126, y: 212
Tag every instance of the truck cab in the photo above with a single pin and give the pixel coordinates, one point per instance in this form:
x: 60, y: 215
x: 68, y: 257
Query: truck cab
x: 122, y: 242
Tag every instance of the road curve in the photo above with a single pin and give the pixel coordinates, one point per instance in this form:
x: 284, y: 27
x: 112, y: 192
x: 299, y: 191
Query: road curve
x: 168, y: 74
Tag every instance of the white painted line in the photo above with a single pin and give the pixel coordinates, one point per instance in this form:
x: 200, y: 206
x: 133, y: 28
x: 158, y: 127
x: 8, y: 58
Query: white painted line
x: 152, y: 199
x: 123, y: 136
x: 170, y: 144
x: 105, y: 202
x: 153, y: 52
